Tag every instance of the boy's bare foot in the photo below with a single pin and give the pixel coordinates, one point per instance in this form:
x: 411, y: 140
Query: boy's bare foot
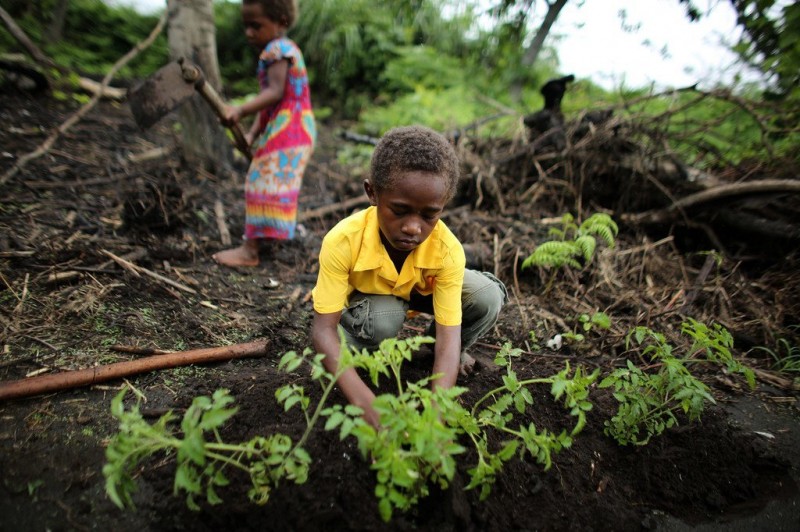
x: 467, y: 364
x: 245, y: 255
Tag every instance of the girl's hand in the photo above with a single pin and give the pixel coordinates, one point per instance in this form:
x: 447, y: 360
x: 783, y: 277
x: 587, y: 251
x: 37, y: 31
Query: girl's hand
x: 231, y: 115
x: 249, y: 137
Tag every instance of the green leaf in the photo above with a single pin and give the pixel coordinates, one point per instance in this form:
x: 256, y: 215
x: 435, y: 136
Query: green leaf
x: 334, y: 420
x: 212, y: 496
x: 215, y: 418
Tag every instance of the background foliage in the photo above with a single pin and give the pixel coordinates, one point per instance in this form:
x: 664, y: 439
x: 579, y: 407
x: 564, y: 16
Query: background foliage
x: 447, y: 64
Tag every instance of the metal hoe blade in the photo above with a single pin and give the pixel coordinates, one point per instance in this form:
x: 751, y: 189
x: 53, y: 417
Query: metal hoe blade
x: 159, y: 95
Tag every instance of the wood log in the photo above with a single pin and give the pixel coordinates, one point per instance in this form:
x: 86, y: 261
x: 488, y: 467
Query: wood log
x: 765, y: 186
x: 86, y: 377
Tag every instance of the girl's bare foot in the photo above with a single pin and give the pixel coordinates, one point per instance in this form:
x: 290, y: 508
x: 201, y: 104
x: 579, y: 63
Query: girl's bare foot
x: 245, y: 255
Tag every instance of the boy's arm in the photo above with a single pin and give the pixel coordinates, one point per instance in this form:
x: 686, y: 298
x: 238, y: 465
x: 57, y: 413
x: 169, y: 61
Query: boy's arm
x: 325, y: 337
x: 447, y: 354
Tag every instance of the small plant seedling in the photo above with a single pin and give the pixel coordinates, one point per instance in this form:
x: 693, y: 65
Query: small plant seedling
x: 421, y: 428
x: 648, y: 401
x: 420, y: 435
x: 514, y: 395
x: 599, y: 320
x: 202, y: 456
x: 785, y: 355
x: 574, y: 243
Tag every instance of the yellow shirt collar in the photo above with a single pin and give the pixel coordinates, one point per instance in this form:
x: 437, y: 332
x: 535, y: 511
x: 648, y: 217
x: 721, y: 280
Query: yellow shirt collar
x: 374, y: 256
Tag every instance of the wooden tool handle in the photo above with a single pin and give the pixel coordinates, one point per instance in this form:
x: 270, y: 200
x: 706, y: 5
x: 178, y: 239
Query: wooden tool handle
x: 193, y: 74
x: 211, y: 96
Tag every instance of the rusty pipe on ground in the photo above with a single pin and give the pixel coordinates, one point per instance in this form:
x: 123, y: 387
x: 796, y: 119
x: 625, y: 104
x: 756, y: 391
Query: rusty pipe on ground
x: 89, y: 376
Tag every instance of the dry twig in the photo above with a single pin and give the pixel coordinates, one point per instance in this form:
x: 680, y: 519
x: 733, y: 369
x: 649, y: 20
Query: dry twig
x: 78, y: 115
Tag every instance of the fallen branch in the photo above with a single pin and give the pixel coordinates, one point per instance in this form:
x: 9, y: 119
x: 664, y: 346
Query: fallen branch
x: 766, y: 186
x: 76, y: 117
x: 86, y: 377
x: 359, y: 138
x: 327, y: 209
x: 101, y: 89
x: 775, y: 380
x: 154, y: 153
x: 224, y: 233
x: 23, y: 39
x: 88, y: 85
x: 136, y: 270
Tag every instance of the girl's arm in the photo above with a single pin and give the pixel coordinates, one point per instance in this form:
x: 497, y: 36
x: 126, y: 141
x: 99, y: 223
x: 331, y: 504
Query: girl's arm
x: 325, y: 337
x: 276, y: 74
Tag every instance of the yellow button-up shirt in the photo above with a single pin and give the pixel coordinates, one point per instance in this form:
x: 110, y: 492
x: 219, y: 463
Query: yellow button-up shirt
x: 353, y: 257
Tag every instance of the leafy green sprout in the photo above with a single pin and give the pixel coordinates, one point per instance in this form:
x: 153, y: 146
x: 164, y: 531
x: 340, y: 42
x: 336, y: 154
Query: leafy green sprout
x: 573, y: 243
x: 599, y: 320
x: 201, y: 454
x: 497, y: 415
x: 414, y: 448
x: 785, y: 354
x: 421, y: 427
x: 648, y: 401
x: 33, y: 487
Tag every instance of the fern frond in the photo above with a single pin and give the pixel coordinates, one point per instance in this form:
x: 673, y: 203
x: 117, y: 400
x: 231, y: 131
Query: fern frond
x: 554, y: 255
x: 602, y: 225
x: 587, y: 245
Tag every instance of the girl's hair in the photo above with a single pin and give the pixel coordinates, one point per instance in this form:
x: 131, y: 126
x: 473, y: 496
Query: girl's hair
x: 283, y: 12
x: 414, y: 148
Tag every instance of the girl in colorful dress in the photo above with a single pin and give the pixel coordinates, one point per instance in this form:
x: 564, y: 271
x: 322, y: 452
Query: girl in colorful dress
x: 282, y: 135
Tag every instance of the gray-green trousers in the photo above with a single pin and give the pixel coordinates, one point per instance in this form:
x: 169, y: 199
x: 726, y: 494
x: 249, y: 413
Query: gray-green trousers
x: 371, y: 318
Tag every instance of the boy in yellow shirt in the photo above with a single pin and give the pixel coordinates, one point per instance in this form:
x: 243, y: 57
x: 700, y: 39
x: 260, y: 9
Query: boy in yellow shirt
x: 396, y: 256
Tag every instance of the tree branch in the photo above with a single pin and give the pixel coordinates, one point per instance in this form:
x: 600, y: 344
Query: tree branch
x: 76, y: 117
x: 765, y: 186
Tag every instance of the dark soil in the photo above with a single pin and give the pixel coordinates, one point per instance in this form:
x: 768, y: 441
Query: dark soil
x: 739, y: 464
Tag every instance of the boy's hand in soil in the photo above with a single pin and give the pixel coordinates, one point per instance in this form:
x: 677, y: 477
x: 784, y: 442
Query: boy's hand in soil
x: 325, y: 337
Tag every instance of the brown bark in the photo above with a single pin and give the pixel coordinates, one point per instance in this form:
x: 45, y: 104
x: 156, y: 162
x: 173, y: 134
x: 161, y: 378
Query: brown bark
x: 87, y: 377
x: 192, y: 35
x: 532, y: 51
x: 766, y: 186
x: 56, y: 28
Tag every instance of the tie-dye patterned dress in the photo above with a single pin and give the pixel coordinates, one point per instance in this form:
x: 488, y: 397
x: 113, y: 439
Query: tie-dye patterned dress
x: 282, y: 149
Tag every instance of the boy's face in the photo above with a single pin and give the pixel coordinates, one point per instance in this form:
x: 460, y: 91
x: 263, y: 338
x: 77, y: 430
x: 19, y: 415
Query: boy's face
x: 258, y: 28
x: 408, y: 212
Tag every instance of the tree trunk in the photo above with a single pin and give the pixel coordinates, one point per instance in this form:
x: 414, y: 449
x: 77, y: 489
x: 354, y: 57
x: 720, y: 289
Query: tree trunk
x: 56, y: 28
x: 192, y: 35
x: 533, y: 50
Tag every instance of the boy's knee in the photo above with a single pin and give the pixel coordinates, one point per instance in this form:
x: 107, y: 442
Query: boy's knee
x: 485, y: 294
x: 386, y: 327
x: 372, y: 319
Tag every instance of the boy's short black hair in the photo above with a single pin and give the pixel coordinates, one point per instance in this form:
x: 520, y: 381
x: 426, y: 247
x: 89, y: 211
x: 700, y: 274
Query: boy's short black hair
x: 414, y: 148
x: 281, y: 11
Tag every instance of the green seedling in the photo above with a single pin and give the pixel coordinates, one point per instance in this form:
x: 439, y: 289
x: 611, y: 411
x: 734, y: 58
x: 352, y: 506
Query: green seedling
x: 203, y: 457
x: 574, y: 243
x: 648, y: 401
x: 785, y: 355
x: 599, y: 320
x: 421, y: 432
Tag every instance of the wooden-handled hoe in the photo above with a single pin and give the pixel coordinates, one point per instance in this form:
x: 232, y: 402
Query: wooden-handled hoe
x: 169, y: 87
